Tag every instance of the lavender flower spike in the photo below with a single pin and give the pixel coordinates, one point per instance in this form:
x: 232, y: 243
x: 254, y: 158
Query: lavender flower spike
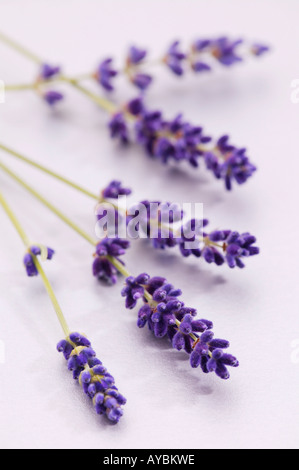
x: 201, y: 56
x: 46, y: 253
x: 177, y: 140
x: 167, y: 316
x: 103, y: 269
x: 93, y: 377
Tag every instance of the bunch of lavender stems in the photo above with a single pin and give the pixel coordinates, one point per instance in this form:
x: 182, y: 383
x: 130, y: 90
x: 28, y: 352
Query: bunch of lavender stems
x: 96, y: 382
x: 167, y: 141
x: 162, y: 311
x: 216, y: 247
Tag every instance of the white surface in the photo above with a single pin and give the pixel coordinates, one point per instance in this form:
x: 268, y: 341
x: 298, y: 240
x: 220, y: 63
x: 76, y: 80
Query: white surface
x: 169, y: 405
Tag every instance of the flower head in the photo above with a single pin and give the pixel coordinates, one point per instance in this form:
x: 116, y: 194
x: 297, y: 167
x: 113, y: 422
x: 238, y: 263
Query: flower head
x: 119, y: 128
x: 219, y: 247
x: 106, y: 249
x: 170, y: 140
x: 167, y: 316
x: 93, y: 377
x: 259, y: 49
x: 136, y: 55
x: 45, y: 252
x: 135, y: 58
x: 115, y: 189
x: 229, y: 163
x: 141, y: 80
x: 52, y: 97
x: 48, y: 71
x: 225, y: 50
x: 105, y: 74
x: 174, y: 59
x: 178, y: 140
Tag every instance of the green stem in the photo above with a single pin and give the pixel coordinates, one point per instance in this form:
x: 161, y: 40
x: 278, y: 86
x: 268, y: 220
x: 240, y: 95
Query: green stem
x: 20, y: 49
x: 47, y: 171
x: 46, y: 281
x: 52, y: 296
x: 15, y: 221
x: 105, y: 104
x: 62, y: 216
x: 48, y: 204
x: 21, y: 87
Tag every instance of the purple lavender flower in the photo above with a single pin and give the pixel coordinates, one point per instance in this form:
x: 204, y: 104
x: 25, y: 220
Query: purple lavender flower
x: 225, y: 50
x: 136, y: 55
x: 199, y: 67
x: 31, y: 269
x: 200, y: 56
x: 135, y: 107
x: 239, y: 246
x: 219, y: 247
x: 118, y: 128
x: 170, y: 140
x: 134, y: 289
x: 105, y: 74
x: 96, y: 382
x: 141, y: 80
x: 258, y: 49
x: 48, y: 71
x: 134, y: 60
x: 174, y: 58
x: 229, y: 163
x: 114, y: 190
x: 52, y: 97
x: 103, y: 268
x: 167, y: 316
x: 201, y: 45
x: 206, y: 355
x: 178, y: 140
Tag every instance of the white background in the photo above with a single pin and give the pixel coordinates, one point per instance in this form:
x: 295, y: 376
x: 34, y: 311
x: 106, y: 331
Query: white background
x: 169, y: 405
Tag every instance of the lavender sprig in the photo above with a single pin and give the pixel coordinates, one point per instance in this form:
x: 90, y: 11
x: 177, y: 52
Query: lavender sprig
x: 93, y: 377
x: 200, y: 57
x: 167, y: 316
x: 157, y: 221
x: 219, y: 247
x: 178, y: 140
